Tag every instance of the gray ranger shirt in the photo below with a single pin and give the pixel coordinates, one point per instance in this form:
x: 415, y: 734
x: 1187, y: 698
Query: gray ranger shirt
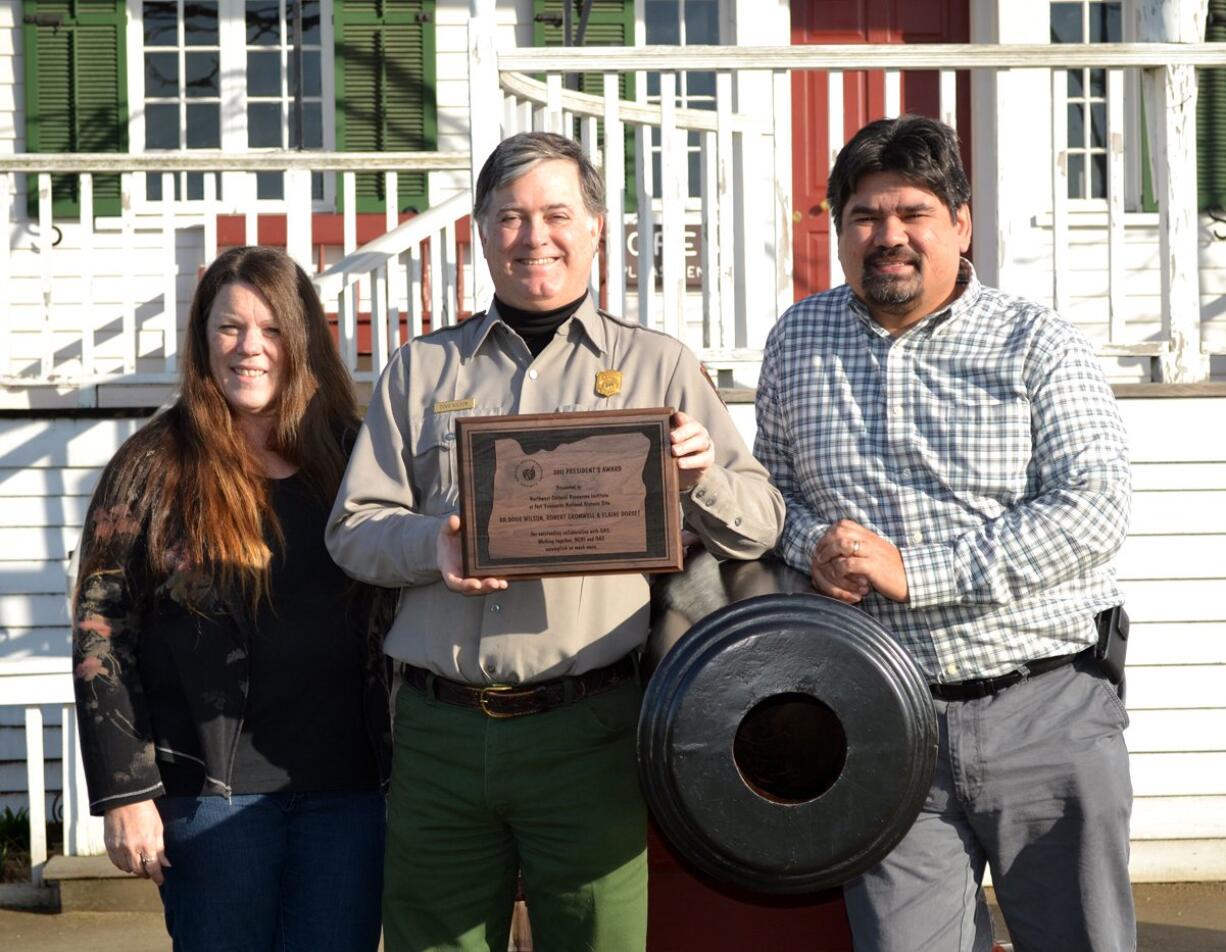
x: 401, y: 484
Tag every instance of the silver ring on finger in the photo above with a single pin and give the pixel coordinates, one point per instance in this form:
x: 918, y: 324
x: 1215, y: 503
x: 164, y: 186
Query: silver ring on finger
x: 855, y: 547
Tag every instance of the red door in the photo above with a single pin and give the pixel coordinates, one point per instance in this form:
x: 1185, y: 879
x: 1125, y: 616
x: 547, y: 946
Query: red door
x: 858, y: 21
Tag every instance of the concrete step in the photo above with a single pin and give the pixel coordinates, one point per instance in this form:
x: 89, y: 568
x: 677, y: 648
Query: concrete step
x: 93, y: 884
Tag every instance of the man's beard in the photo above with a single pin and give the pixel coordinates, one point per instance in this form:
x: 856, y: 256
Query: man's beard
x: 892, y: 292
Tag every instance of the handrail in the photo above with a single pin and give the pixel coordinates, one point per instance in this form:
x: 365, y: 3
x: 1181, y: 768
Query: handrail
x: 869, y: 56
x: 390, y: 244
x: 586, y: 104
x: 214, y: 160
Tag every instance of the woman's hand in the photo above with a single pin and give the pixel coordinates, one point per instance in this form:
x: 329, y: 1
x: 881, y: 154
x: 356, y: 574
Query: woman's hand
x: 133, y: 837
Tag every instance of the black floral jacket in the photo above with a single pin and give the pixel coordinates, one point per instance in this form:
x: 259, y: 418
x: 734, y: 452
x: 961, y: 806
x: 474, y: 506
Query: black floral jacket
x: 161, y: 669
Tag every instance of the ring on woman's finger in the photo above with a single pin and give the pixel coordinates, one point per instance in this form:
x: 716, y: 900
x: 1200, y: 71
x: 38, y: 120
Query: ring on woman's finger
x: 855, y: 547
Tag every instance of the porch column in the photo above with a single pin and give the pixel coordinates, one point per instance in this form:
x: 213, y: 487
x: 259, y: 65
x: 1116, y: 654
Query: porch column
x: 1170, y: 113
x: 485, y: 118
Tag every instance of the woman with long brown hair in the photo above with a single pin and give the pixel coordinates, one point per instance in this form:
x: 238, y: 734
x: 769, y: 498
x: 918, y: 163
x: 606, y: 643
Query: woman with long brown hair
x: 231, y: 687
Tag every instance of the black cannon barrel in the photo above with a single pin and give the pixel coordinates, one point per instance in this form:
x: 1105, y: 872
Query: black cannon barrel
x: 786, y: 742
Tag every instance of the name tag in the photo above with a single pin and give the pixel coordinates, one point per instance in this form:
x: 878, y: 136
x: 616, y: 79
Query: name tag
x: 451, y: 406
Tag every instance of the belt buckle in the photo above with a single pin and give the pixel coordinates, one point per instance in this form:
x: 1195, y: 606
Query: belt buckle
x: 494, y: 689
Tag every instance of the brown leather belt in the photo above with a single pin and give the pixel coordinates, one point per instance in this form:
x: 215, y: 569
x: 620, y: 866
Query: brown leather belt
x: 985, y: 687
x: 511, y: 700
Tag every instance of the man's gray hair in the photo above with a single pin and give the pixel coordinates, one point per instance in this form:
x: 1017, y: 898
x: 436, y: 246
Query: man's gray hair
x: 517, y: 155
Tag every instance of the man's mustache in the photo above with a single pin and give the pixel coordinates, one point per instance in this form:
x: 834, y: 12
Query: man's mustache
x: 892, y: 256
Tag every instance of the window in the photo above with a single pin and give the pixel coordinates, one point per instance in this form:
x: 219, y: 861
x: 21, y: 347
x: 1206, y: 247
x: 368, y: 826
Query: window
x: 204, y: 59
x: 182, y: 82
x: 1087, y: 21
x: 682, y: 23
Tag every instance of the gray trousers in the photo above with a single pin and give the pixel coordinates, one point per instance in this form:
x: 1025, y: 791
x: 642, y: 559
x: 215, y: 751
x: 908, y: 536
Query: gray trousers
x: 1033, y: 781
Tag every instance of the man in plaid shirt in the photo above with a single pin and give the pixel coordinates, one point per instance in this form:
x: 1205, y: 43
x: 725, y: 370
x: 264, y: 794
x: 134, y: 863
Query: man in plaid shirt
x: 953, y: 462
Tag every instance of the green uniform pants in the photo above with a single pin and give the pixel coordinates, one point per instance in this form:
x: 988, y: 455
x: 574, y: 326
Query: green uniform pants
x: 474, y: 799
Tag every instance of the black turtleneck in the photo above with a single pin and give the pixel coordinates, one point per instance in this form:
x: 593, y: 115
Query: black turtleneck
x: 537, y: 327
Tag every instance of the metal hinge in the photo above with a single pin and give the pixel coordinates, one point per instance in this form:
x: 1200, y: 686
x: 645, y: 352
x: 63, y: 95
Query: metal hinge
x: 421, y: 18
x: 550, y: 19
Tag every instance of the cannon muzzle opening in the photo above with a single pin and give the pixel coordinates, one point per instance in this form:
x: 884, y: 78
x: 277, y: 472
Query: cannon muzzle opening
x: 787, y: 742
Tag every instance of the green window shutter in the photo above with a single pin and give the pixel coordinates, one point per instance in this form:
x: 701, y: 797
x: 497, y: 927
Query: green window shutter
x: 1211, y: 120
x: 385, y: 90
x: 610, y: 23
x: 75, y: 92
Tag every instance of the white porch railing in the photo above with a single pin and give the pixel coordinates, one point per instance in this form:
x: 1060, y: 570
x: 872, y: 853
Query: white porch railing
x: 30, y: 684
x: 745, y: 288
x: 108, y: 303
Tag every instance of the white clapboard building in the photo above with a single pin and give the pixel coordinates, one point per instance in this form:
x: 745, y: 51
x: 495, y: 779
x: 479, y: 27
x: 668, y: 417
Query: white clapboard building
x: 137, y: 137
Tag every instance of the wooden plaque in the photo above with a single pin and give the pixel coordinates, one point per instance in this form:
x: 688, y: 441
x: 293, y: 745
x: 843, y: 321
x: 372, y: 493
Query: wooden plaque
x: 568, y: 494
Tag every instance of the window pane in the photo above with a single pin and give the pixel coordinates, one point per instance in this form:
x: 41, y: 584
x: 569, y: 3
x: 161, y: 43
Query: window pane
x: 310, y: 59
x: 200, y: 23
x: 195, y: 186
x: 269, y: 185
x: 1076, y: 126
x: 1105, y: 23
x: 161, y: 126
x: 1066, y: 22
x: 312, y: 124
x: 1076, y: 176
x: 695, y: 182
x: 701, y: 84
x: 161, y: 23
x: 701, y: 22
x: 203, y: 126
x: 264, y: 125
x: 310, y: 22
x: 263, y: 23
x: 653, y: 84
x: 1098, y: 125
x: 662, y: 22
x: 1076, y: 84
x: 264, y: 73
x: 203, y: 75
x: 162, y: 75
x: 153, y: 186
x: 1098, y: 83
x: 1098, y: 176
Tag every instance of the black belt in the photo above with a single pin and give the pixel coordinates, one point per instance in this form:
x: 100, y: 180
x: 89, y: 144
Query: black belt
x: 986, y: 687
x: 510, y: 700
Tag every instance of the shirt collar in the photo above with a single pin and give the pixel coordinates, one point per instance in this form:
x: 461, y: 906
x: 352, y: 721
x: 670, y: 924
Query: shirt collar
x: 969, y: 289
x: 585, y: 321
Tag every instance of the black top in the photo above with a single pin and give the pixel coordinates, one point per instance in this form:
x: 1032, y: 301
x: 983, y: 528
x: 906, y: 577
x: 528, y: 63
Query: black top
x: 303, y: 728
x: 537, y: 327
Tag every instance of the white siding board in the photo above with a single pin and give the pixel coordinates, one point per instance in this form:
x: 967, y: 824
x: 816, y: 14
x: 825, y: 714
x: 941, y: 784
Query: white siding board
x: 62, y: 442
x: 1176, y: 686
x: 1176, y: 600
x: 1191, y: 430
x: 1177, y: 643
x: 1178, y: 818
x: 42, y: 578
x: 20, y: 511
x: 1170, y: 861
x: 1178, y: 775
x: 1164, y: 556
x: 1171, y: 476
x: 52, y: 543
x: 22, y: 642
x: 48, y: 482
x: 13, y: 776
x: 1173, y: 731
x: 33, y: 611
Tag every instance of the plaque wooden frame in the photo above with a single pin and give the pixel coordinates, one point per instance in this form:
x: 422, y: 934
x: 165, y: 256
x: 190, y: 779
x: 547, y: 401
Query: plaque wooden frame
x: 571, y: 521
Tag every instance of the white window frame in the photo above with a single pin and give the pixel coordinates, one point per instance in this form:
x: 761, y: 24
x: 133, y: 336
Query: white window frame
x: 1133, y: 130
x: 239, y: 188
x: 693, y: 204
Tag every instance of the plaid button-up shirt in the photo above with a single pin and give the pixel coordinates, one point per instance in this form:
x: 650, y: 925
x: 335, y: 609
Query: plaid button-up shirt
x: 984, y: 442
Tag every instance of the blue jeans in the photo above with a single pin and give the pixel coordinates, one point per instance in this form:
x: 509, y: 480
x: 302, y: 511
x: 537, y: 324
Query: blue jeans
x: 288, y: 872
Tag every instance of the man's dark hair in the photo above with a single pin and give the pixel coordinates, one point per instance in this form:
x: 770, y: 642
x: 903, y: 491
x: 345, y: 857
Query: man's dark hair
x: 921, y: 150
